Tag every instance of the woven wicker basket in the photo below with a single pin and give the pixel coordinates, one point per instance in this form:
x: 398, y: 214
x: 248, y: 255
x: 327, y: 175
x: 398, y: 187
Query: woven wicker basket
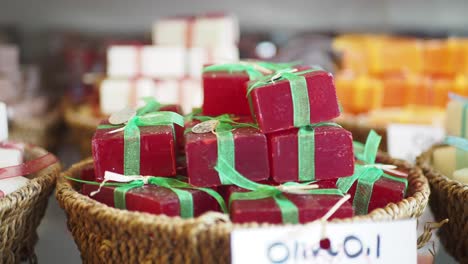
x: 82, y: 124
x: 104, y: 234
x: 38, y: 131
x: 361, y: 130
x: 449, y: 199
x: 22, y: 211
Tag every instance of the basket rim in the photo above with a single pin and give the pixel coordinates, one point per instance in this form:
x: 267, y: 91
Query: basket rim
x: 69, y: 198
x: 77, y: 118
x: 40, y: 178
x: 424, y: 161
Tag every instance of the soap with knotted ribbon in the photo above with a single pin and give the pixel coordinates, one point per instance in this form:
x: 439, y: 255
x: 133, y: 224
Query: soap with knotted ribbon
x: 320, y: 151
x: 242, y: 144
x: 291, y: 98
x: 143, y: 144
x: 451, y: 158
x: 373, y: 185
x: 224, y: 85
x: 154, y: 195
x: 289, y: 203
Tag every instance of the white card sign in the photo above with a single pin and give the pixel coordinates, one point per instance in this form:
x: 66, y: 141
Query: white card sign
x: 363, y: 242
x: 408, y: 141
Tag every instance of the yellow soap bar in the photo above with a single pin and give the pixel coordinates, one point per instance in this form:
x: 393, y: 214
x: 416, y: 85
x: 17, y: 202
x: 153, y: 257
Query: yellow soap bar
x: 461, y: 175
x: 457, y: 119
x: 444, y: 160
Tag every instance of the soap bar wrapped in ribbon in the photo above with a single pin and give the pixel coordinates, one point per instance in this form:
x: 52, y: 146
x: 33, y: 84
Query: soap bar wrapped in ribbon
x: 225, y: 85
x: 457, y: 113
x: 241, y: 144
x: 291, y: 98
x: 315, y: 152
x: 137, y: 142
x: 155, y: 195
x: 451, y: 158
x: 289, y: 203
x: 373, y: 185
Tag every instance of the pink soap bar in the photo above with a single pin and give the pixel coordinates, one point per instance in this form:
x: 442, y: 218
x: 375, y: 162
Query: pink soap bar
x: 311, y: 208
x: 225, y: 93
x: 334, y: 156
x: 251, y: 156
x: 273, y: 105
x: 157, y: 151
x: 154, y: 199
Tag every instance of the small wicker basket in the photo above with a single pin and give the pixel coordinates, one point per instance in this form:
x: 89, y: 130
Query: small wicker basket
x: 22, y: 211
x: 82, y: 124
x: 104, y: 234
x: 449, y: 199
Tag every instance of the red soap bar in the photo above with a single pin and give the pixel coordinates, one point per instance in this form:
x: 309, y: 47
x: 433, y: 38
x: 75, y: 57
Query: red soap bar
x: 157, y: 151
x: 311, y: 208
x: 154, y: 200
x: 179, y: 131
x: 251, y: 156
x: 225, y: 93
x: 273, y: 105
x: 385, y: 191
x: 334, y: 156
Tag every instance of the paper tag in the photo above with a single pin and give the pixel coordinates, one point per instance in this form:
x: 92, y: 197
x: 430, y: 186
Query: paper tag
x: 359, y: 242
x: 408, y: 141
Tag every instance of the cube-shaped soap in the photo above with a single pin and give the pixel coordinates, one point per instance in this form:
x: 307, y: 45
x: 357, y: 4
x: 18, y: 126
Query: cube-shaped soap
x: 273, y: 106
x: 310, y: 206
x: 154, y: 200
x: 156, y: 151
x: 250, y: 156
x: 320, y: 153
x: 457, y: 121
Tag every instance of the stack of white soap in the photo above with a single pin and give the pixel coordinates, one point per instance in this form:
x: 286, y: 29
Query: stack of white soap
x: 169, y: 70
x: 449, y: 160
x: 9, y: 157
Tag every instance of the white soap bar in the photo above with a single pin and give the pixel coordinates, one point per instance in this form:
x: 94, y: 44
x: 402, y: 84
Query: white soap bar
x: 461, y: 175
x: 10, y: 157
x: 454, y: 119
x: 3, y: 122
x: 146, y: 61
x: 116, y: 94
x: 12, y: 184
x: 164, y: 62
x: 215, y: 31
x: 200, y: 57
x: 202, y: 31
x: 192, y: 95
x: 168, y: 91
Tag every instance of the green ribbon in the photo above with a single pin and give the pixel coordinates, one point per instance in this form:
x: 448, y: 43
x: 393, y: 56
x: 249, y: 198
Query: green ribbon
x: 366, y: 175
x: 145, y: 116
x: 225, y: 138
x: 306, y: 150
x: 175, y: 185
x: 289, y: 211
x: 299, y: 92
x: 249, y: 67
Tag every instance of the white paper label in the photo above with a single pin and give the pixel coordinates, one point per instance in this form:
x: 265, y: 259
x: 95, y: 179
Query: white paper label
x: 408, y: 141
x: 359, y: 242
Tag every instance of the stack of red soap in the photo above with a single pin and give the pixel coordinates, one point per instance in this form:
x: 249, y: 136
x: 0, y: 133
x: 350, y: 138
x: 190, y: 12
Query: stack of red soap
x: 269, y: 124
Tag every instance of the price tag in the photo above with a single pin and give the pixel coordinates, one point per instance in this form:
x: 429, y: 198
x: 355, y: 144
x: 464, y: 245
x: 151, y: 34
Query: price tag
x: 408, y: 141
x: 360, y: 242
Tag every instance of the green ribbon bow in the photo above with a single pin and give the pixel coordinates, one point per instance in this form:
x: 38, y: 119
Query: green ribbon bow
x: 148, y: 115
x: 252, y: 68
x: 175, y: 185
x: 366, y: 175
x: 299, y: 92
x: 225, y: 138
x: 306, y: 150
x: 289, y: 211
